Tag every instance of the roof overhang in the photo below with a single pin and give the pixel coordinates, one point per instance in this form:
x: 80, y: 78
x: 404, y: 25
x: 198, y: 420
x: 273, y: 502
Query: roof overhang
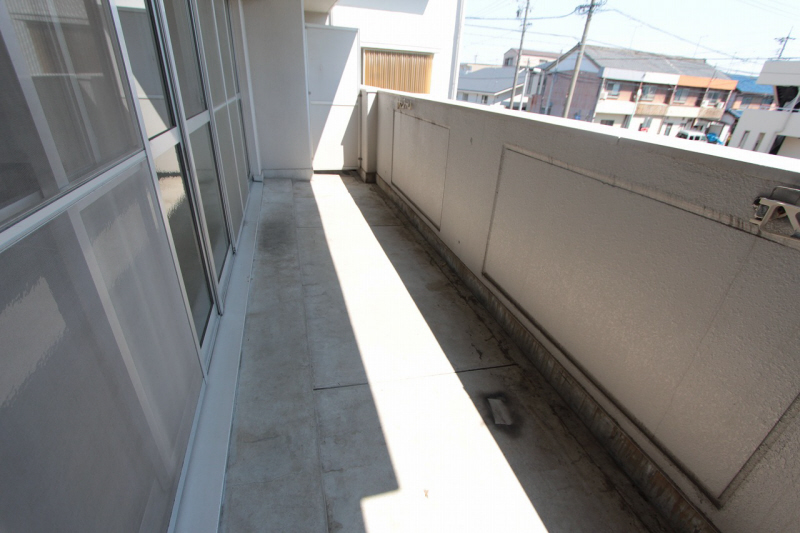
x: 639, y: 76
x: 784, y: 73
x: 707, y: 83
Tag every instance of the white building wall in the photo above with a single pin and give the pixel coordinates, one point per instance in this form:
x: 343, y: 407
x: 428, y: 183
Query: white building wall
x: 427, y: 26
x: 618, y: 119
x: 276, y: 45
x: 615, y: 107
x: 790, y: 147
x: 756, y: 121
x: 780, y: 73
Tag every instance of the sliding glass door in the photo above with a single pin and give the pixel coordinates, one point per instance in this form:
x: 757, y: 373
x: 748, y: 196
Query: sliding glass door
x: 101, y: 371
x: 171, y: 91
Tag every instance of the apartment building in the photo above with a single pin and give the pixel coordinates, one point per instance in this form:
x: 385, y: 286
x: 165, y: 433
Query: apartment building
x: 639, y: 90
x: 749, y: 94
x: 774, y: 126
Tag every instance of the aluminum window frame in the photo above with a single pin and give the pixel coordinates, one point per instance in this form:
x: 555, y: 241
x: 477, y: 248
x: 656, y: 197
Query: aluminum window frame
x: 648, y: 93
x: 681, y: 95
x: 42, y: 126
x: 613, y: 89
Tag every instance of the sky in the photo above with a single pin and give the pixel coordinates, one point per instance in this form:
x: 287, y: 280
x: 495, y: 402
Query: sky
x: 736, y: 36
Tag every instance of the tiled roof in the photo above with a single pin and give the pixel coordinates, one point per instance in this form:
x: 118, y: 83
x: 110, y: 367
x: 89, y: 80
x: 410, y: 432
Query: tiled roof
x: 747, y: 84
x: 623, y: 58
x: 490, y: 80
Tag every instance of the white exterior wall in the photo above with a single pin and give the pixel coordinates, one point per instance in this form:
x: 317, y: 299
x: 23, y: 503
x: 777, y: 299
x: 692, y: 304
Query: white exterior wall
x: 427, y: 26
x: 683, y: 111
x: 276, y: 45
x: 618, y: 119
x: 757, y: 121
x: 780, y: 73
x: 790, y: 148
x: 677, y: 125
x: 615, y: 107
x: 664, y: 304
x: 657, y: 78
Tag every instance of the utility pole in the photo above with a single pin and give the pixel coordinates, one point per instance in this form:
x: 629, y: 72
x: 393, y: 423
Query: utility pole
x: 589, y: 9
x: 552, y: 83
x: 519, y: 56
x: 783, y: 41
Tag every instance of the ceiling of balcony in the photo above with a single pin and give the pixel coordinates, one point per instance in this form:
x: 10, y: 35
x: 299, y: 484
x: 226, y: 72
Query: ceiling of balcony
x: 319, y: 5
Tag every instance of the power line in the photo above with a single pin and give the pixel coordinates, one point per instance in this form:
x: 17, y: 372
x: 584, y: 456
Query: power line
x: 519, y: 30
x: 669, y: 33
x: 774, y: 10
x: 724, y: 56
x: 529, y: 18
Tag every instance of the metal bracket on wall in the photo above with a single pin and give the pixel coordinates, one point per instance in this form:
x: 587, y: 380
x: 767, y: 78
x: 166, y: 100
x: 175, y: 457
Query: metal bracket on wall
x: 779, y: 212
x: 403, y: 103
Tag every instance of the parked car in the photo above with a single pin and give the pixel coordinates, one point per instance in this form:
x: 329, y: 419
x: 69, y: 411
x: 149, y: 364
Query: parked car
x: 692, y: 135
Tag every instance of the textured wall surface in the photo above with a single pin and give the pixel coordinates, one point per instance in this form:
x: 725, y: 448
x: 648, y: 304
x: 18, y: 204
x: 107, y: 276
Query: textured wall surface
x: 421, y: 178
x: 634, y: 257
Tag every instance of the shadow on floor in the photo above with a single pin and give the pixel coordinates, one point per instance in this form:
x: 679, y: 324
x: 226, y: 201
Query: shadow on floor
x: 375, y: 394
x: 276, y: 473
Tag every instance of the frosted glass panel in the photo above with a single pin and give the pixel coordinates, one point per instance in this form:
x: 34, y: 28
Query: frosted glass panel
x: 186, y: 59
x: 229, y: 170
x: 65, y: 111
x: 171, y: 181
x: 223, y: 29
x: 99, y: 377
x: 205, y: 11
x: 240, y: 149
x: 137, y: 28
x: 203, y: 154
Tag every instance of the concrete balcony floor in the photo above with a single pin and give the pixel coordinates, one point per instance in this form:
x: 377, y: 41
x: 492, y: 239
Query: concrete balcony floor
x: 366, y: 387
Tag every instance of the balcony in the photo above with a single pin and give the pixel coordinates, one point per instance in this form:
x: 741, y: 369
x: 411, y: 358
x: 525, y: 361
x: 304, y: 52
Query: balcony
x: 549, y: 306
x: 656, y: 110
x: 712, y: 112
x: 375, y: 393
x: 521, y: 322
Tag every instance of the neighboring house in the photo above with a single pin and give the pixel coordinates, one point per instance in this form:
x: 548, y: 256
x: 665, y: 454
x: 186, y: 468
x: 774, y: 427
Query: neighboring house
x: 638, y: 90
x: 774, y: 130
x: 749, y: 94
x: 529, y: 58
x: 492, y: 86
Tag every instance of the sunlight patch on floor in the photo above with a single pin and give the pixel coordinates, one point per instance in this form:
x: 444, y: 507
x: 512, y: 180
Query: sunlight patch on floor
x: 450, y: 471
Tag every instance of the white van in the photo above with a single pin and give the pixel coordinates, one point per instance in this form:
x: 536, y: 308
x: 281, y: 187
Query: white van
x: 692, y: 135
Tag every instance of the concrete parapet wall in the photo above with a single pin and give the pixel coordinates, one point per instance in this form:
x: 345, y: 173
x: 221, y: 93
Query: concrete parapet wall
x: 632, y: 260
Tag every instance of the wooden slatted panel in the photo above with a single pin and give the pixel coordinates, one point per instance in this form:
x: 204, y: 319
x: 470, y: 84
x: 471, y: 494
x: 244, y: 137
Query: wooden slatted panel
x: 400, y: 71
